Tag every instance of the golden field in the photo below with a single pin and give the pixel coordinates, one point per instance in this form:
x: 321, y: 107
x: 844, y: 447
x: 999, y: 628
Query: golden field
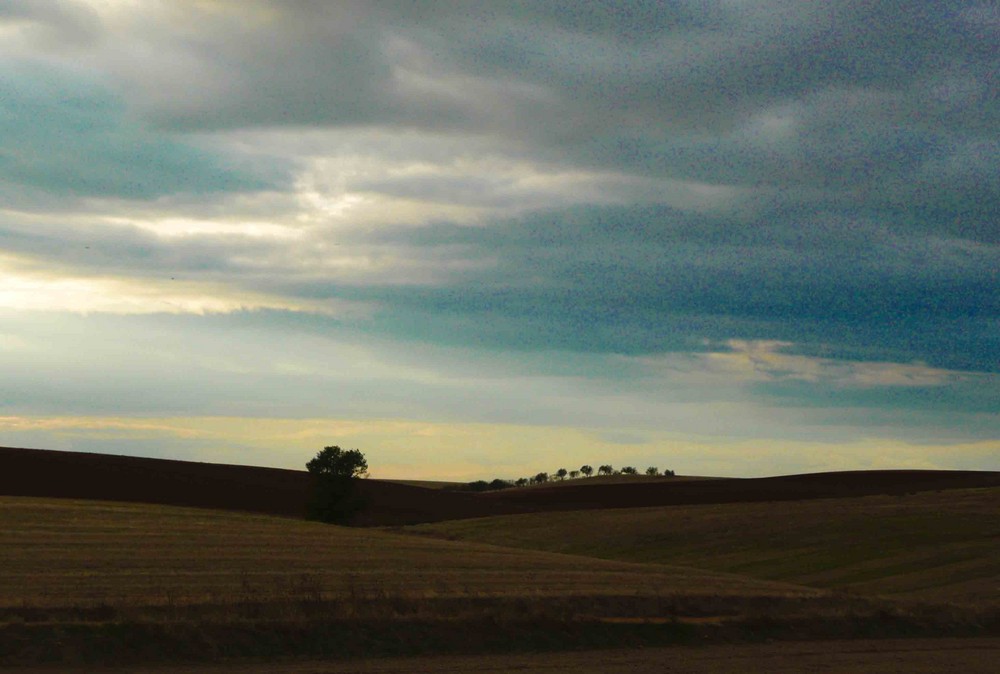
x: 63, y: 553
x: 112, y: 582
x: 935, y: 546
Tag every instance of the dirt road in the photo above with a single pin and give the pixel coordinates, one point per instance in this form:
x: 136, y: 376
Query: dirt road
x: 896, y: 656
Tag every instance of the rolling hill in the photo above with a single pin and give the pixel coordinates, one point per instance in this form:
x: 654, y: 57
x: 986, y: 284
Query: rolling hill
x: 273, y: 491
x: 86, y: 581
x: 46, y: 473
x: 929, y: 545
x: 113, y: 560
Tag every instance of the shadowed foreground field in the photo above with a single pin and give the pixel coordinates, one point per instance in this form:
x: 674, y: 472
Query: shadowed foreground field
x: 84, y: 582
x: 940, y: 546
x: 87, y: 581
x: 889, y: 656
x: 115, y: 582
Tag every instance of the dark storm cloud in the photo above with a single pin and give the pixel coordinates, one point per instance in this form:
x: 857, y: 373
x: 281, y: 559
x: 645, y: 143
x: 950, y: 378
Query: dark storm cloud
x: 862, y: 134
x: 654, y: 279
x: 641, y: 67
x: 630, y: 280
x: 878, y: 105
x: 976, y: 396
x: 648, y: 64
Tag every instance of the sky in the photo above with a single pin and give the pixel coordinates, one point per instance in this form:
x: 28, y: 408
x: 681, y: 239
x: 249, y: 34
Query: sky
x: 488, y: 239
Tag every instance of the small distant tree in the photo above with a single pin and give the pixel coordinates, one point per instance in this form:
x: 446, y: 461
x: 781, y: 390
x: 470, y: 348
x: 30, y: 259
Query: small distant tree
x: 521, y: 482
x: 573, y: 474
x: 562, y: 473
x: 541, y: 478
x: 606, y: 469
x: 669, y: 473
x: 335, y: 472
x: 652, y: 470
x: 629, y: 470
x: 587, y: 470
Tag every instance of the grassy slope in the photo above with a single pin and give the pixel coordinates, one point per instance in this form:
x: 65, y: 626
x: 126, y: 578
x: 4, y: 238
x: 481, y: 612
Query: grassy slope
x: 932, y: 545
x: 62, y: 552
x: 100, y: 583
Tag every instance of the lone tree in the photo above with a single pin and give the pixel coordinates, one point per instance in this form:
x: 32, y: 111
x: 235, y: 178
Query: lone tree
x: 587, y: 470
x: 606, y: 469
x: 573, y: 474
x: 652, y: 470
x: 629, y: 470
x: 562, y: 473
x: 335, y: 472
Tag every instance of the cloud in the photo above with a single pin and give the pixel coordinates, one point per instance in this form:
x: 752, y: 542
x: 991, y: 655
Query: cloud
x: 654, y: 279
x: 765, y: 360
x: 769, y: 220
x: 602, y: 279
x: 69, y: 134
x: 57, y: 25
x: 570, y: 67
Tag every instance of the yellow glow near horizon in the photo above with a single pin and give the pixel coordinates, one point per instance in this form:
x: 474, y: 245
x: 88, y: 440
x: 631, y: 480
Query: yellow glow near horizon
x: 24, y: 288
x: 408, y: 449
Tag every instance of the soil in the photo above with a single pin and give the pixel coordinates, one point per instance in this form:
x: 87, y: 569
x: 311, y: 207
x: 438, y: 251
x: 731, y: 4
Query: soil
x: 45, y: 473
x: 896, y: 656
x: 709, y: 491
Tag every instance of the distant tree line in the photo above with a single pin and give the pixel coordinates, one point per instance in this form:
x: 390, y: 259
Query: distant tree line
x: 559, y: 475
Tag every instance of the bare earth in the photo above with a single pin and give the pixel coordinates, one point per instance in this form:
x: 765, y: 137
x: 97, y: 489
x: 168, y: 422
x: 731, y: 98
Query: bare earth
x: 898, y: 656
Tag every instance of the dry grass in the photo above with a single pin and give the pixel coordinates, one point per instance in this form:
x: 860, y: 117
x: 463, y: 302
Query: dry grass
x: 85, y: 582
x: 890, y: 656
x: 59, y: 553
x: 940, y: 546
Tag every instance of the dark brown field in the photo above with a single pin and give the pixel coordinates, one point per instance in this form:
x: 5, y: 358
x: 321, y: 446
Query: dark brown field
x: 272, y: 491
x: 43, y: 473
x: 887, y: 656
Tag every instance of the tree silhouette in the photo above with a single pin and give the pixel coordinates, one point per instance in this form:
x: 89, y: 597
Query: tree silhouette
x: 587, y: 470
x: 562, y: 473
x: 541, y: 477
x: 652, y: 470
x: 573, y: 474
x: 339, y: 463
x: 629, y: 470
x: 606, y: 469
x: 335, y: 471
